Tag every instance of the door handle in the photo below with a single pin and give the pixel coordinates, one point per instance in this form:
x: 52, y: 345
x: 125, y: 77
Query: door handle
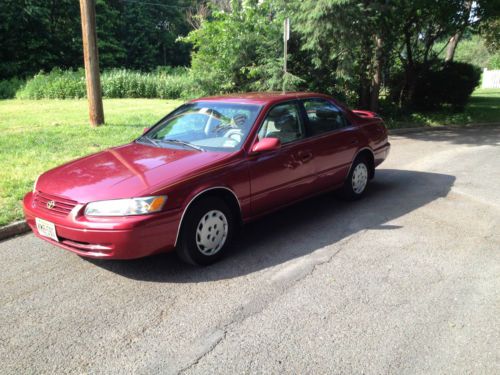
x: 305, y: 156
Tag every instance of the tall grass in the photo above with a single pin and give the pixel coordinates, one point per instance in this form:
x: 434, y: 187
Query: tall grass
x: 57, y: 84
x: 164, y: 83
x: 130, y: 84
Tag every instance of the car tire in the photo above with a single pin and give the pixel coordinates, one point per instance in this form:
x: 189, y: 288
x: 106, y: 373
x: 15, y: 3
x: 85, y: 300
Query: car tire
x: 357, y: 181
x: 206, y: 232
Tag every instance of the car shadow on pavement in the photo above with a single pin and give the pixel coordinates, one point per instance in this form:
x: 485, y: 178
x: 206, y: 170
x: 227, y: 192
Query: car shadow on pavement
x: 299, y: 229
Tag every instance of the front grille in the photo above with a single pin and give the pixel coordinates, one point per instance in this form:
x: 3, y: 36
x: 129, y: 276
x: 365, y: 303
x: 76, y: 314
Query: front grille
x: 61, y: 206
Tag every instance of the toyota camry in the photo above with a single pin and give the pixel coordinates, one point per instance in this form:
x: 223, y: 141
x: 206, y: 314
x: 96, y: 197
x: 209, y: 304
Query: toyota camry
x: 213, y: 164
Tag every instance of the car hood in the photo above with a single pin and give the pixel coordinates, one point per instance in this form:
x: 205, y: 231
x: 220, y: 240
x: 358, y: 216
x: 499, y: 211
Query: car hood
x: 122, y: 172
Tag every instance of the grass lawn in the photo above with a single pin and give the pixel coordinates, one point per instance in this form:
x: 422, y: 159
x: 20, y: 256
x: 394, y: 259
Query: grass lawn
x: 484, y: 106
x: 36, y: 135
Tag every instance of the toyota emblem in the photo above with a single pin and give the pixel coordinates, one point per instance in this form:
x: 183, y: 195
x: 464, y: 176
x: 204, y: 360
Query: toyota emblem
x: 51, y: 205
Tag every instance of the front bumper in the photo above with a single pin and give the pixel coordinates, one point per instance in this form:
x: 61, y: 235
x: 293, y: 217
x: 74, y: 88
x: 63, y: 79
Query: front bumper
x: 113, y: 237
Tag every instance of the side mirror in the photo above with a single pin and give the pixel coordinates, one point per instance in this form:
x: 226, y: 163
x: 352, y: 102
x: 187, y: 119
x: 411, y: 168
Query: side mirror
x: 266, y: 144
x: 145, y: 130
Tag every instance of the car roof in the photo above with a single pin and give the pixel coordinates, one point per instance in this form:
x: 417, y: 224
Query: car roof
x: 260, y: 97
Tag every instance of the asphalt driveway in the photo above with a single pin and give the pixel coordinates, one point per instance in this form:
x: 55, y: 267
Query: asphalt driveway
x: 404, y: 281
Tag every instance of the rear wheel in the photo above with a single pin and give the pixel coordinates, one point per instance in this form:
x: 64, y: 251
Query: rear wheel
x: 357, y: 180
x: 206, y: 231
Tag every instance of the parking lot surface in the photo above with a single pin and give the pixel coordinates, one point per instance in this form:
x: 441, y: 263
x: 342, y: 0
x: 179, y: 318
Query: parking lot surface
x: 406, y: 280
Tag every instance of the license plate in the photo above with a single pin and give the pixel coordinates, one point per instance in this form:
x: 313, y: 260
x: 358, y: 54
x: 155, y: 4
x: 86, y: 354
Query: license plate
x: 46, y: 229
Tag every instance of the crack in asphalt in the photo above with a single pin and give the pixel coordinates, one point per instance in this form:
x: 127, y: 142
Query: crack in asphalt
x: 279, y: 288
x: 208, y: 351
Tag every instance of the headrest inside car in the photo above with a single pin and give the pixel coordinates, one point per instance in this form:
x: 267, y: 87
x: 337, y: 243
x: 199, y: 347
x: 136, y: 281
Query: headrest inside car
x: 326, y: 113
x: 287, y: 122
x: 278, y: 112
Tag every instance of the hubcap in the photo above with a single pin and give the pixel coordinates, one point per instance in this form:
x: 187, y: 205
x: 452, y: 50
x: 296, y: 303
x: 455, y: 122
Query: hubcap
x: 359, y: 178
x: 211, y: 232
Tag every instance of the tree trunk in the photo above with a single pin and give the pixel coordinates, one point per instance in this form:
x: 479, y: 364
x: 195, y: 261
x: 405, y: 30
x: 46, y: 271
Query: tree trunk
x: 377, y: 75
x: 365, y: 75
x: 364, y: 95
x: 408, y: 89
x: 452, y: 46
x: 453, y: 42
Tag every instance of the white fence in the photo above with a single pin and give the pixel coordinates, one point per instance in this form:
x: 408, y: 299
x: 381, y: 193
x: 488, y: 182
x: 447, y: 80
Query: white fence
x: 491, y: 79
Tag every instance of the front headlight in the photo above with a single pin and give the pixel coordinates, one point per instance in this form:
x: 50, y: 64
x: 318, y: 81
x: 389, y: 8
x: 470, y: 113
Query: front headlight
x: 126, y: 207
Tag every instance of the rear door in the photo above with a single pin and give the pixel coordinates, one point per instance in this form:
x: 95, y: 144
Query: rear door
x: 287, y: 174
x: 333, y: 139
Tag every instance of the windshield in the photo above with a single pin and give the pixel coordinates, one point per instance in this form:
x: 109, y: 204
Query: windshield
x: 205, y: 126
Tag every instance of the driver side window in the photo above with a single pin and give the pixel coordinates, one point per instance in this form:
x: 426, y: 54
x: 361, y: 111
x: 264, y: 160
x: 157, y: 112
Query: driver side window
x: 282, y: 122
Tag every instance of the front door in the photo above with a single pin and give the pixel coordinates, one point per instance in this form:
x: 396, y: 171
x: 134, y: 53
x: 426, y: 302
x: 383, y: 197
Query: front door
x: 287, y: 174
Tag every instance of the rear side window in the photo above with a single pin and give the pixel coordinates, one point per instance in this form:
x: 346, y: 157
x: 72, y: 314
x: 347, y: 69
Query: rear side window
x: 323, y: 116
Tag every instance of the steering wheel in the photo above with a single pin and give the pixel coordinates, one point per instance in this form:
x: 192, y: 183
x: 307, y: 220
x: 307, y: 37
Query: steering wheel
x: 234, y: 134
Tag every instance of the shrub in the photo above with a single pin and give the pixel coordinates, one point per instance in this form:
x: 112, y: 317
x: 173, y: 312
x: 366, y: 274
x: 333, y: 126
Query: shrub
x: 459, y: 81
x: 440, y: 84
x: 450, y: 83
x: 9, y: 87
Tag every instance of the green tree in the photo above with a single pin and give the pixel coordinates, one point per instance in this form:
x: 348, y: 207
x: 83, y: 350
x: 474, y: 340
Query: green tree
x: 43, y: 34
x: 240, y: 50
x: 368, y: 41
x: 109, y: 23
x: 355, y: 38
x: 490, y: 31
x: 150, y: 30
x: 36, y: 34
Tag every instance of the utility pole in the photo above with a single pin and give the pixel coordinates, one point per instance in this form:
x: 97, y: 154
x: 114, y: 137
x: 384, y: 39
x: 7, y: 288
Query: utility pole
x: 286, y: 36
x: 91, y: 59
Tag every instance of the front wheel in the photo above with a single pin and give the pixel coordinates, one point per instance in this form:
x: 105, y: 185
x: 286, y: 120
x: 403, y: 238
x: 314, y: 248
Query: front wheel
x: 206, y: 232
x: 357, y: 180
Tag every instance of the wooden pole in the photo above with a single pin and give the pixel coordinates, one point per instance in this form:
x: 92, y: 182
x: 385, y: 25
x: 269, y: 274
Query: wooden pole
x: 91, y: 59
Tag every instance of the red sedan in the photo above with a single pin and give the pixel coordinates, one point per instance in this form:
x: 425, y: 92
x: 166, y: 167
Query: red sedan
x: 209, y: 166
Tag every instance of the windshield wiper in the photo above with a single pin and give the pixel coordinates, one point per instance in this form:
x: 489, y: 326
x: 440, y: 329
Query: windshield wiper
x: 150, y: 140
x: 184, y: 143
